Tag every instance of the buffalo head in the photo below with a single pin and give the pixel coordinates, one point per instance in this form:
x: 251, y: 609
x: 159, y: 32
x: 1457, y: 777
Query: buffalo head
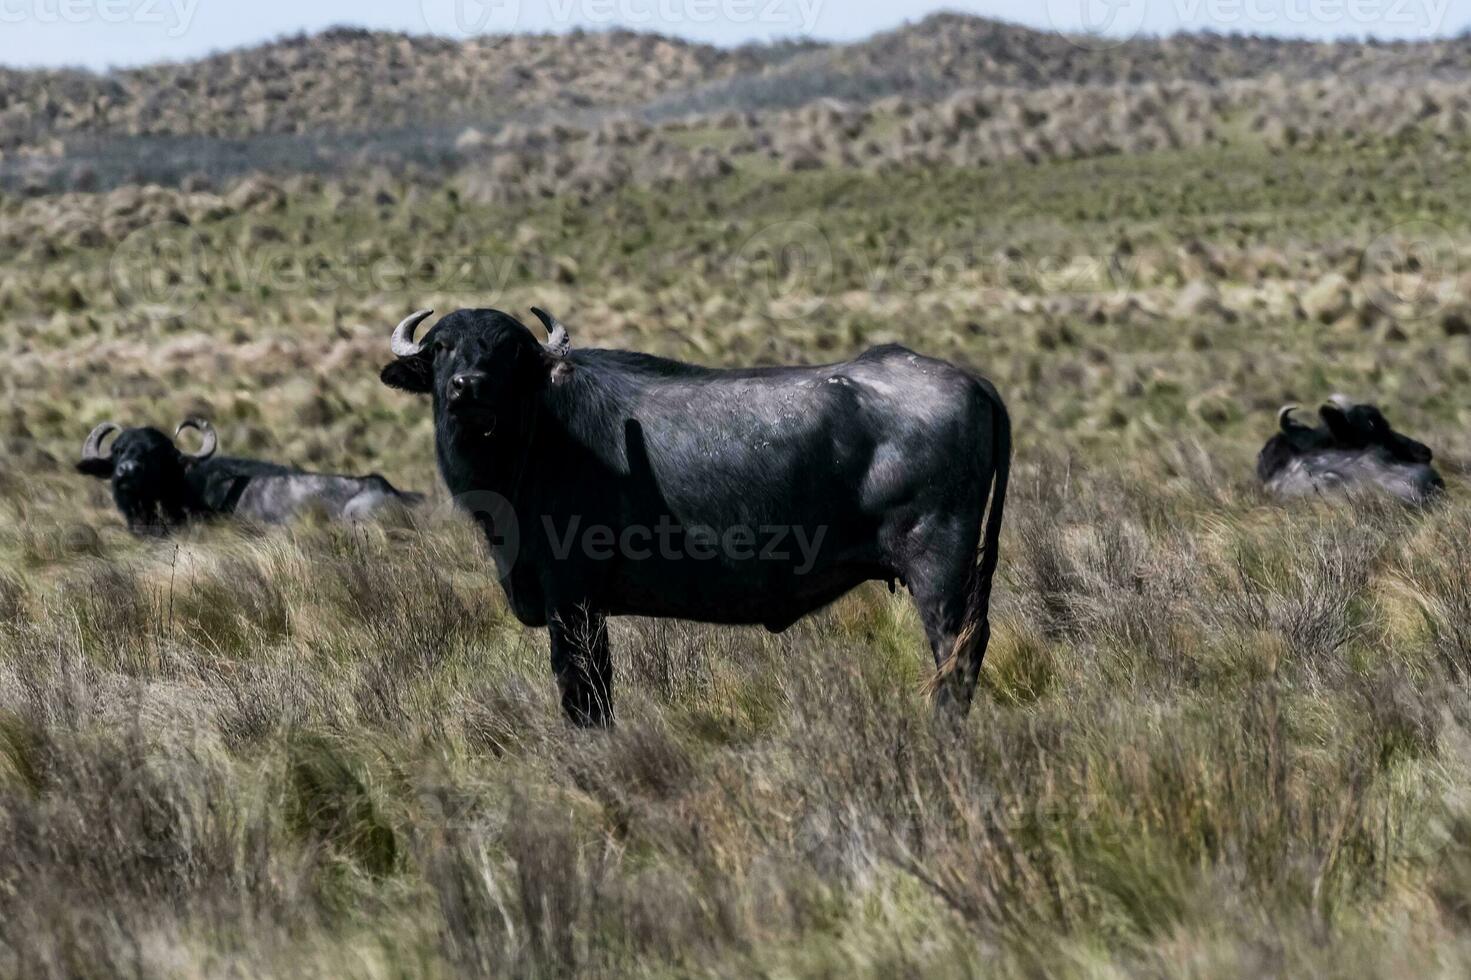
x: 1353, y: 448
x: 147, y: 471
x: 1364, y: 427
x: 482, y: 367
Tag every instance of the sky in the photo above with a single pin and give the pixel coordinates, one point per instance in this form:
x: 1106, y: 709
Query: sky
x: 103, y: 33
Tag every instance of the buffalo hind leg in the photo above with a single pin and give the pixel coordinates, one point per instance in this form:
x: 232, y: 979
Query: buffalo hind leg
x: 583, y: 664
x: 942, y: 596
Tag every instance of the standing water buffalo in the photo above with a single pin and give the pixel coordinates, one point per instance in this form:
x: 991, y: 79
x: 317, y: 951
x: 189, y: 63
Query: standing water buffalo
x: 628, y: 484
x: 157, y: 486
x: 1354, y: 449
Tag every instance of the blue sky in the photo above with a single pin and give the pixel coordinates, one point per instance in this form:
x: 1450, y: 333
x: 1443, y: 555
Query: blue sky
x: 99, y: 33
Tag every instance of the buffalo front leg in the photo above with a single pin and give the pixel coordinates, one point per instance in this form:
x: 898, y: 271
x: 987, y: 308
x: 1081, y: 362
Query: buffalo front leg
x: 584, y: 666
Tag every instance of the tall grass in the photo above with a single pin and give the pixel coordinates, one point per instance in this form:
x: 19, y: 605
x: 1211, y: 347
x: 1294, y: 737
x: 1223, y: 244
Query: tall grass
x: 1214, y: 736
x: 1232, y: 746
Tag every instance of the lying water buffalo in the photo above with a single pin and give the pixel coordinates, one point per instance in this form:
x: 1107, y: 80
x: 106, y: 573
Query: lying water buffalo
x: 1354, y: 448
x: 157, y: 486
x: 609, y: 482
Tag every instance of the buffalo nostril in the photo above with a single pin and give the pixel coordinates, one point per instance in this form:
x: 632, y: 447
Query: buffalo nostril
x: 463, y: 385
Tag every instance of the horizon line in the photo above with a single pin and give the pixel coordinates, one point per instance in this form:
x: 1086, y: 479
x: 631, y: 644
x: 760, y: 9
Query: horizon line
x: 796, y: 39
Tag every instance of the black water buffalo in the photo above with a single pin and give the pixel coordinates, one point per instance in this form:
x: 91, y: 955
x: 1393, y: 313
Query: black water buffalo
x: 157, y: 486
x: 609, y: 482
x: 1354, y: 448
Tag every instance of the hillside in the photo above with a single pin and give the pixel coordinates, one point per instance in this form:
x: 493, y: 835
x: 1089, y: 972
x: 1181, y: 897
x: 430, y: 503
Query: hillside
x: 355, y: 81
x: 946, y: 52
x: 350, y: 80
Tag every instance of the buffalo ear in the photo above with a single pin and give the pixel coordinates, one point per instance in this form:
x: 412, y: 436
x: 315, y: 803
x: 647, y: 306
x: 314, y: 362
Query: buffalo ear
x: 101, y: 468
x: 412, y: 374
x: 558, y: 369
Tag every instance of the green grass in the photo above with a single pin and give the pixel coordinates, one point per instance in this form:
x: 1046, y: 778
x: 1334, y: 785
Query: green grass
x: 1215, y: 736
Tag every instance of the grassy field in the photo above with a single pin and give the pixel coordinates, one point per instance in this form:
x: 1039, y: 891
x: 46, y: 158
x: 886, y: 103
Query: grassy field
x: 1216, y: 736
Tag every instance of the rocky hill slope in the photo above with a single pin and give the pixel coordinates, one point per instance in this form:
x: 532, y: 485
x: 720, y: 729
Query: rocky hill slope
x: 354, y: 81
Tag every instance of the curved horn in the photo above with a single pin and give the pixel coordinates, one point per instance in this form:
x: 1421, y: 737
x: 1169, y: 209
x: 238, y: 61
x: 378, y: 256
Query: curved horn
x: 403, y: 342
x: 1284, y: 414
x: 211, y: 440
x: 1342, y: 401
x: 559, y: 342
x: 92, y: 448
